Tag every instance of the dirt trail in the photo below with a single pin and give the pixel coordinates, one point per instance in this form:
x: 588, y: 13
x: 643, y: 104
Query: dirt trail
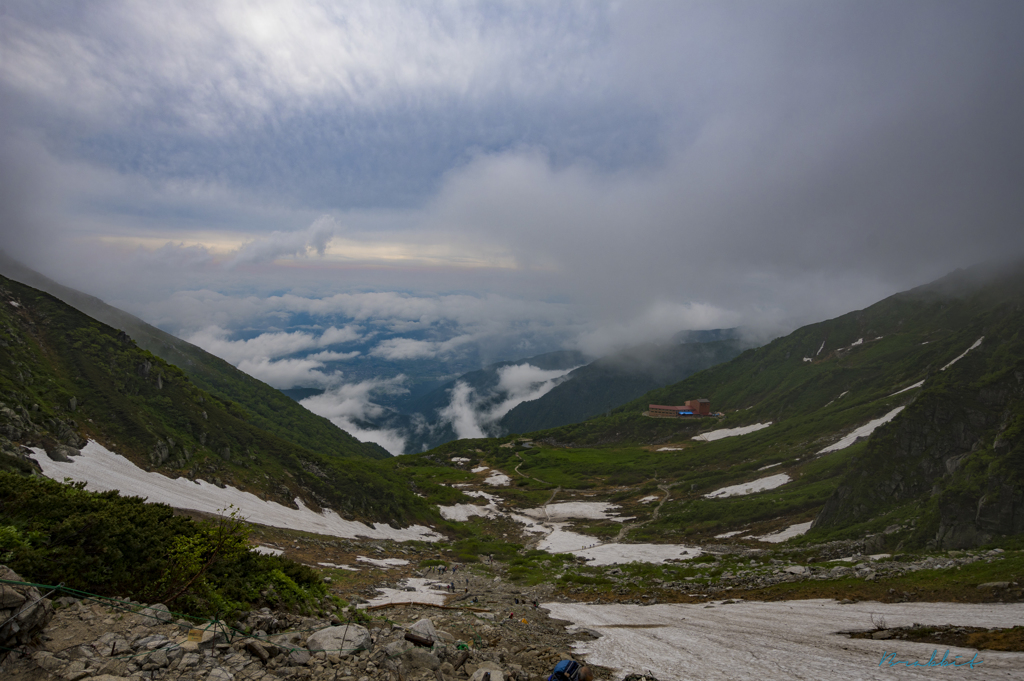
x: 626, y: 527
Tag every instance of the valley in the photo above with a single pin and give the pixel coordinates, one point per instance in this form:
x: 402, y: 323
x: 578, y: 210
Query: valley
x: 862, y: 483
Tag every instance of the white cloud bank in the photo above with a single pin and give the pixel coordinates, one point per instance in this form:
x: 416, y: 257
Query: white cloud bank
x: 351, y: 404
x: 257, y: 356
x: 474, y: 415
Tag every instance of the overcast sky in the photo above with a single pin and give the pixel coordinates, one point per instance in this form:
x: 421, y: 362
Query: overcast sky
x: 577, y: 174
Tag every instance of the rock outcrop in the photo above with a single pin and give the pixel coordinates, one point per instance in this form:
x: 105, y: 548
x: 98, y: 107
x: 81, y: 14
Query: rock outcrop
x: 24, y: 613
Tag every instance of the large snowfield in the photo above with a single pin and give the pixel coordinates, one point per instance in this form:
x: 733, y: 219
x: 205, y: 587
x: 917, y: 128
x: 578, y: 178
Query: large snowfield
x: 782, y: 640
x: 103, y: 470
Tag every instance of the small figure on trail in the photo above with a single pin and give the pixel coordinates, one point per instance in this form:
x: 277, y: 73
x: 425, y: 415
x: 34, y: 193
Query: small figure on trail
x: 571, y: 670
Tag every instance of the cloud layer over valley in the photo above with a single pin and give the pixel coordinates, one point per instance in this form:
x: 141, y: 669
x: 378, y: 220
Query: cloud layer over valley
x: 378, y: 197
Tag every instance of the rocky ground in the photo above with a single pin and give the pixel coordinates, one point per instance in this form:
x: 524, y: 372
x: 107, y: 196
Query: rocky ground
x: 489, y: 626
x: 483, y: 631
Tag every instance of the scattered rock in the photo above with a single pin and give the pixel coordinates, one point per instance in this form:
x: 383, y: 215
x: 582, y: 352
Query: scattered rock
x: 155, y: 614
x: 346, y: 639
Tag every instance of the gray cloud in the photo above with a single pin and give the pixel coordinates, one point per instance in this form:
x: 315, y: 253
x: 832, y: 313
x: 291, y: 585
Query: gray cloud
x: 571, y: 175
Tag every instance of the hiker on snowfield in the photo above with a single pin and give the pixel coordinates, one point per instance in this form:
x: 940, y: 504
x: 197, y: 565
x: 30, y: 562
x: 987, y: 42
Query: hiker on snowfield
x: 571, y: 670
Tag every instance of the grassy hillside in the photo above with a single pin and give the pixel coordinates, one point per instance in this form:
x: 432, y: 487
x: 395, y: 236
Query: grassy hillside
x: 266, y: 407
x: 946, y: 471
x: 608, y: 382
x: 65, y: 377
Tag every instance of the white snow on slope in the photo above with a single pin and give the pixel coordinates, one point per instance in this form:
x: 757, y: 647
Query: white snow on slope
x: 730, y: 432
x: 726, y: 535
x: 647, y: 500
x: 479, y: 469
x: 267, y: 550
x: 383, y: 562
x: 909, y: 387
x: 498, y: 479
x: 863, y: 431
x: 756, y: 641
x: 808, y: 359
x: 669, y: 449
x: 103, y: 470
x: 422, y: 593
x: 564, y: 541
x: 820, y: 349
x: 963, y: 354
x: 771, y: 482
x: 340, y: 567
x: 463, y: 512
x: 788, y: 533
x: 771, y: 465
x: 857, y: 342
x: 589, y: 510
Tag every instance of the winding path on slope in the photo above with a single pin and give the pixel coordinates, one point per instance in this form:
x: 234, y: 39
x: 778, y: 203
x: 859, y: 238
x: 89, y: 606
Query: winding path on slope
x: 626, y: 527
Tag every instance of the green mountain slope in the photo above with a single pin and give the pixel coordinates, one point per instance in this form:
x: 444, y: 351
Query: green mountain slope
x: 608, y: 382
x: 266, y: 407
x: 945, y: 470
x: 65, y: 377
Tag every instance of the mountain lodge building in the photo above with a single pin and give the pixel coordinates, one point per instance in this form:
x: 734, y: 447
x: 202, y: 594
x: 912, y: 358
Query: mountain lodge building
x: 699, y: 407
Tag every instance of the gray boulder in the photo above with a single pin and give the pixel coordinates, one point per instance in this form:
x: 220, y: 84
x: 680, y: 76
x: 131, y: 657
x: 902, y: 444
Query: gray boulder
x: 156, y: 614
x: 345, y: 639
x: 424, y: 628
x: 25, y: 612
x: 397, y: 648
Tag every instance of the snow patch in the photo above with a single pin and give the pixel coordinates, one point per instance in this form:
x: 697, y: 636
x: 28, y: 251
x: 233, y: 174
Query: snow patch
x: 463, y: 512
x: 771, y: 465
x: 479, y: 469
x: 726, y: 535
x: 596, y: 553
x: 340, y: 567
x: 669, y: 449
x: 647, y: 500
x: 863, y: 431
x: 857, y: 342
x: 771, y: 482
x: 422, y: 592
x: 383, y: 562
x: 788, y: 533
x: 103, y: 470
x: 589, y: 510
x: 778, y: 640
x: 267, y: 550
x: 731, y: 432
x: 963, y: 354
x: 820, y: 349
x: 498, y: 479
x: 460, y: 459
x: 808, y: 359
x: 909, y: 387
